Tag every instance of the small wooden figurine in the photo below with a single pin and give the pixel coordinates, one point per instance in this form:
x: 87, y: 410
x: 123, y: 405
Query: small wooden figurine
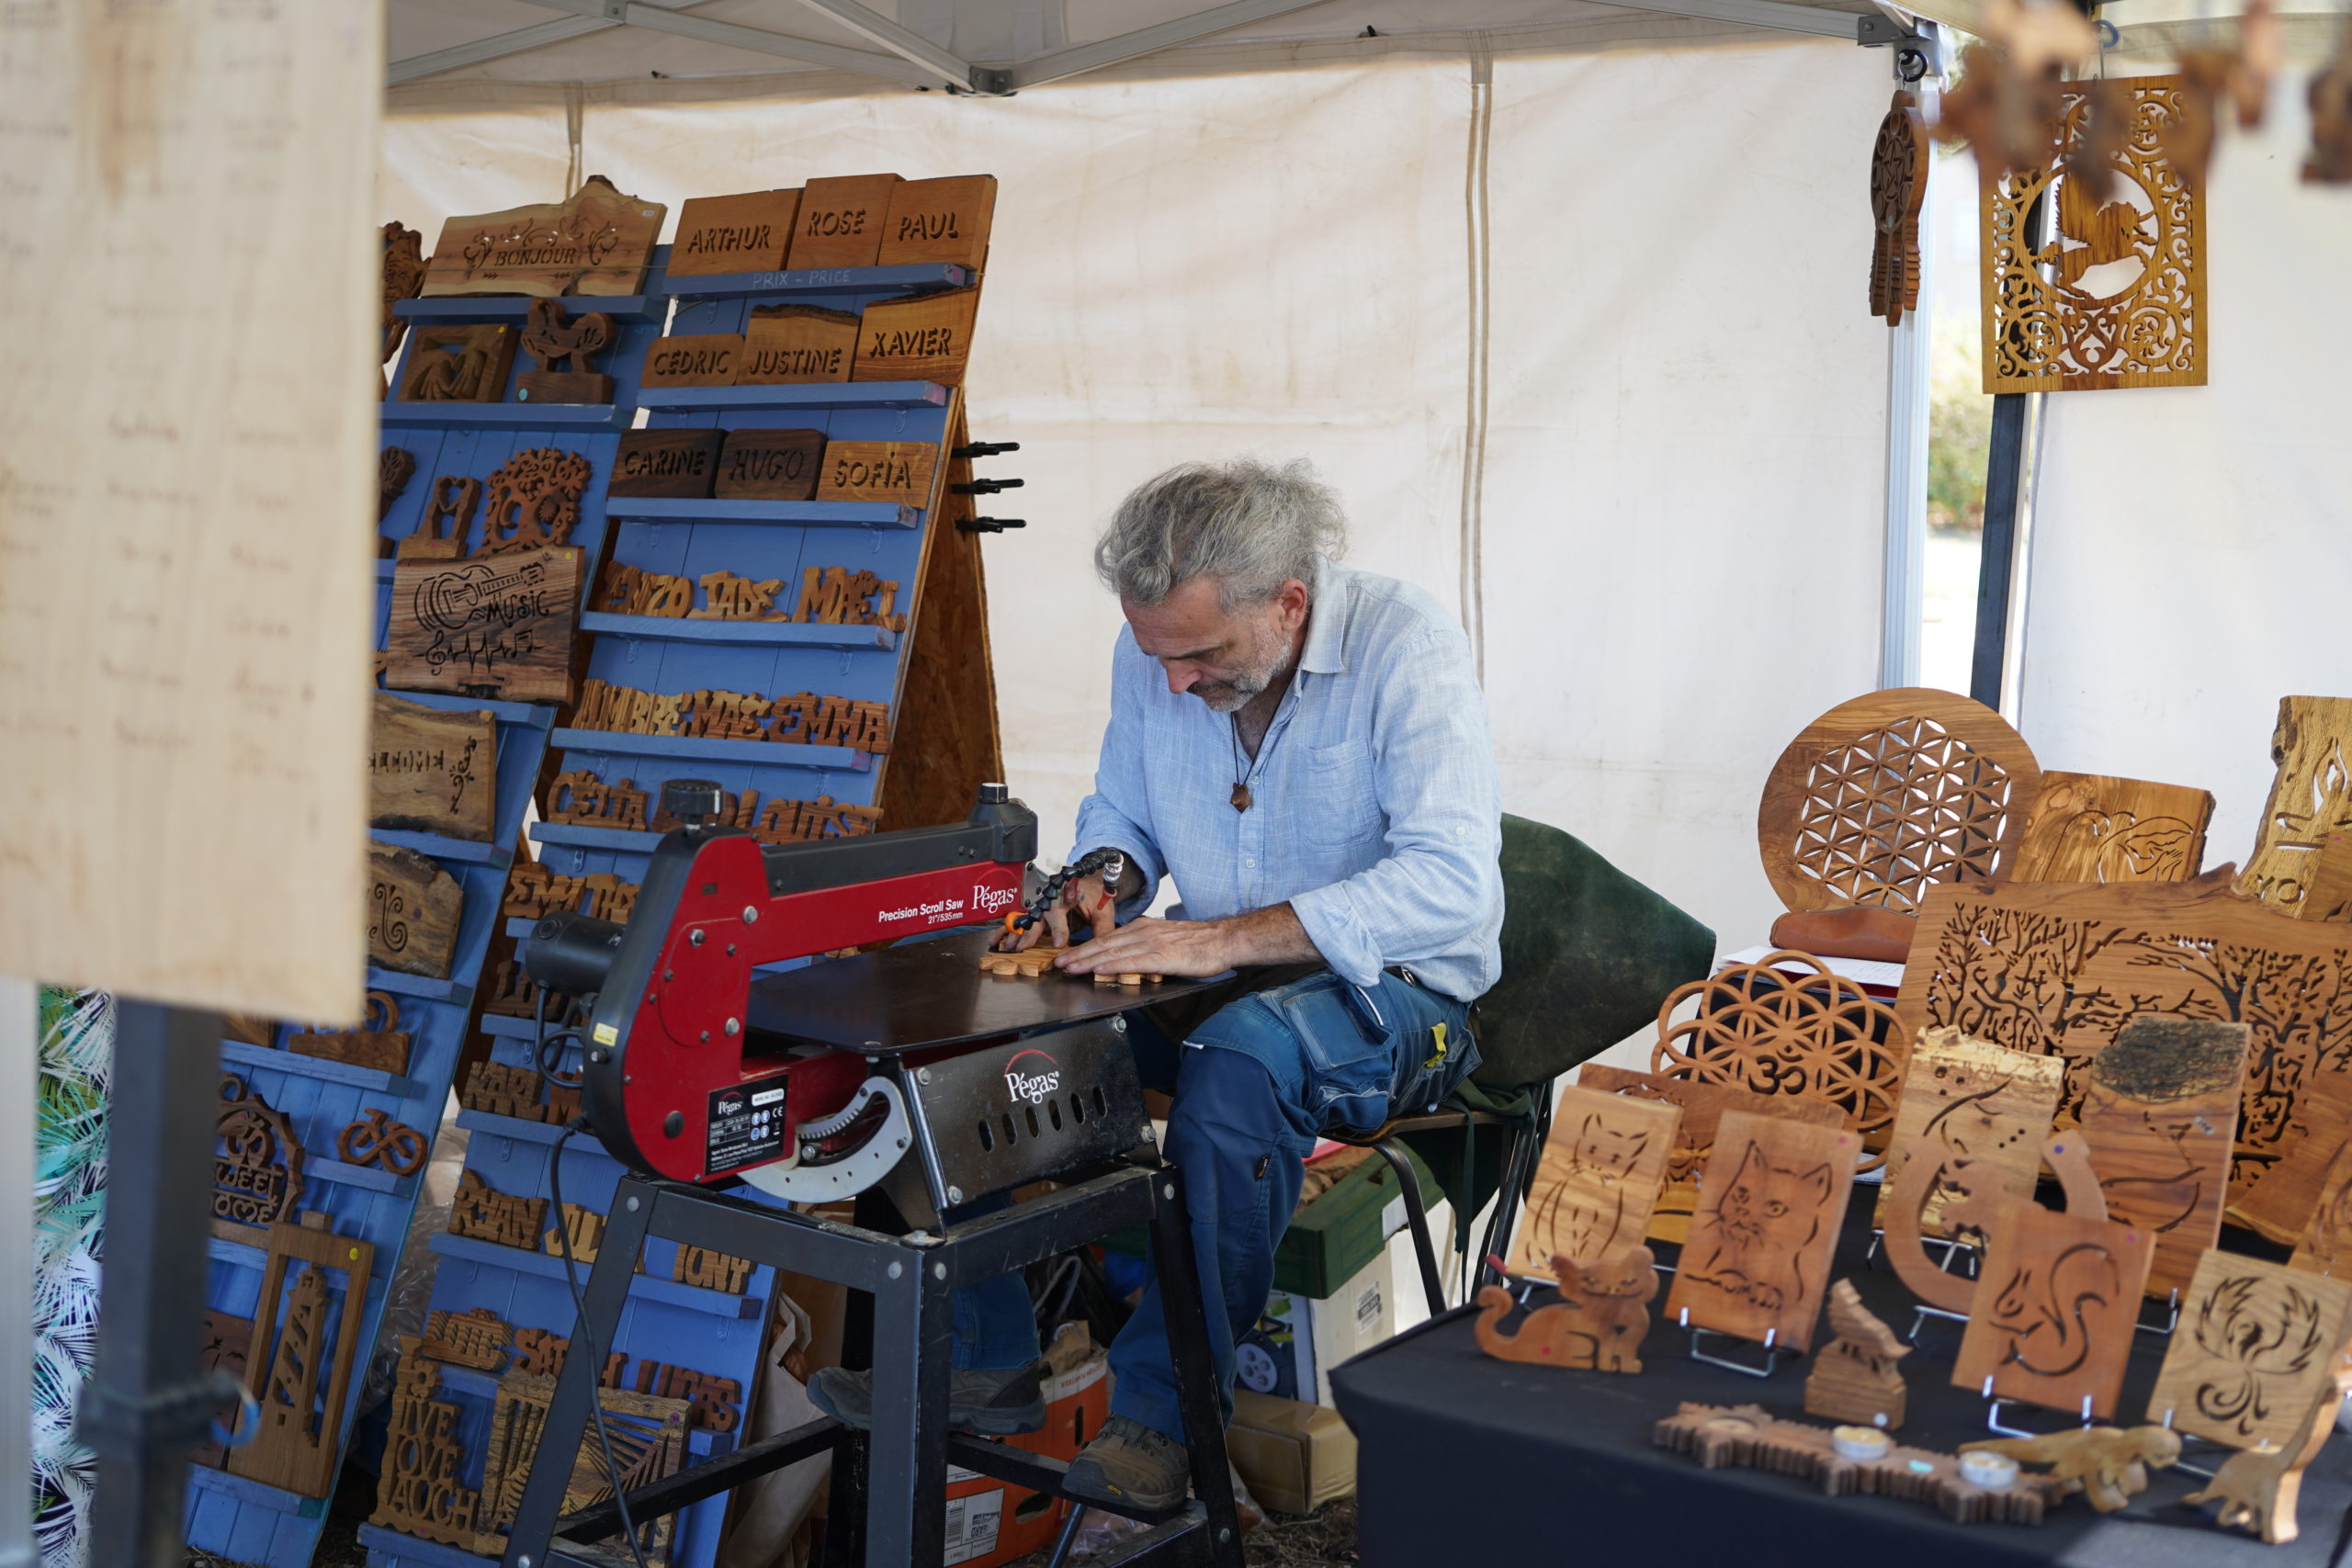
x: 403, y: 276
x: 2257, y: 1489
x: 549, y: 337
x: 1854, y: 1377
x: 2108, y: 1465
x: 376, y: 1139
x: 1598, y: 1324
x: 1747, y: 1435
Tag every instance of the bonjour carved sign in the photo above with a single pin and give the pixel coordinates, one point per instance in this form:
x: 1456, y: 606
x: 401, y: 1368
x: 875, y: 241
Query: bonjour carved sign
x: 878, y: 470
x: 2055, y: 1308
x: 841, y: 221
x: 792, y: 344
x: 599, y: 242
x: 1602, y: 1166
x: 2255, y: 1341
x: 770, y: 465
x: 679, y: 463
x: 500, y: 628
x: 2060, y: 968
x: 939, y: 221
x: 926, y: 337
x: 719, y: 234
x: 413, y: 910
x: 1758, y: 1260
x: 432, y: 771
x: 2088, y: 827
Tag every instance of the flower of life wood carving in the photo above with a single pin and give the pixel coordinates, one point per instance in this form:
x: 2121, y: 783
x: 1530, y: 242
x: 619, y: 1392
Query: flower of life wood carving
x: 2116, y: 298
x: 1885, y: 796
x: 1817, y: 1036
x: 1898, y: 189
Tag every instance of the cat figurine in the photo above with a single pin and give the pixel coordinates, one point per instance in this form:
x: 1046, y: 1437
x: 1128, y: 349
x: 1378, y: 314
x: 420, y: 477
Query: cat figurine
x: 1582, y: 1215
x: 1598, y: 1324
x: 1749, y: 1244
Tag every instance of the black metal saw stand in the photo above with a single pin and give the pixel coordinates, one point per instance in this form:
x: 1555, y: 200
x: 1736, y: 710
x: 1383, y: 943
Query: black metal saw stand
x: 890, y: 1486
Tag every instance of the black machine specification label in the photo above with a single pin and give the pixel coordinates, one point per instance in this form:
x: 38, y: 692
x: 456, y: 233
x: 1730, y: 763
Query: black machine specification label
x: 746, y: 1126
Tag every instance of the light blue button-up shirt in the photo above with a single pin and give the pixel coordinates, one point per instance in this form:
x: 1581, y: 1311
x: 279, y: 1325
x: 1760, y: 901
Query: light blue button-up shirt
x: 1374, y: 806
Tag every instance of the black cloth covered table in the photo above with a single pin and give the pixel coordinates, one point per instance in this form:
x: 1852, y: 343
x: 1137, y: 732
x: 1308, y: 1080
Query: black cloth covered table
x: 1468, y: 1460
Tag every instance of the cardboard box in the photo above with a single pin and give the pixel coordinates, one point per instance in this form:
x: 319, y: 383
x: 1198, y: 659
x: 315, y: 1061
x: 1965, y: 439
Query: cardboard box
x: 991, y: 1522
x: 1295, y: 1457
x: 1299, y: 1339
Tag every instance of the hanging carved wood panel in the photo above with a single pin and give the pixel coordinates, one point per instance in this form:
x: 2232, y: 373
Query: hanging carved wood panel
x: 431, y: 770
x: 1703, y: 1106
x: 1598, y: 1178
x: 2160, y: 1114
x: 2088, y: 827
x: 2311, y: 799
x: 2255, y: 1342
x: 2124, y: 305
x: 1898, y: 189
x: 300, y: 1383
x: 1812, y: 1034
x: 1770, y: 1207
x: 500, y: 628
x: 597, y: 242
x: 2059, y: 968
x: 1968, y: 1100
x: 1885, y: 796
x: 2057, y: 1303
x: 413, y: 912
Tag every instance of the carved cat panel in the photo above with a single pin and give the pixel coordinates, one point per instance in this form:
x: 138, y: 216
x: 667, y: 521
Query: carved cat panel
x: 1599, y: 1180
x: 1769, y: 1206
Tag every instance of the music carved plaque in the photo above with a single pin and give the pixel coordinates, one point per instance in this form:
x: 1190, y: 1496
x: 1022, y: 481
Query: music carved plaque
x: 500, y: 628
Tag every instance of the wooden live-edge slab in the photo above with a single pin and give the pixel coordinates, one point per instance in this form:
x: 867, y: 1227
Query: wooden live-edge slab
x: 646, y: 1287
x: 808, y: 395
x: 775, y: 513
x: 774, y: 753
x: 821, y: 280
x: 767, y: 634
x: 321, y: 1067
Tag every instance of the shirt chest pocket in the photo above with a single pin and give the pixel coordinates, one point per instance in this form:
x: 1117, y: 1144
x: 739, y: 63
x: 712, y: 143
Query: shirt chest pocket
x: 1340, y: 800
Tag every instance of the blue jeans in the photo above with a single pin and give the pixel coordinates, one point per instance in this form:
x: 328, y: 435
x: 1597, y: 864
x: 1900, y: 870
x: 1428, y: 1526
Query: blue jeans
x: 1255, y: 1086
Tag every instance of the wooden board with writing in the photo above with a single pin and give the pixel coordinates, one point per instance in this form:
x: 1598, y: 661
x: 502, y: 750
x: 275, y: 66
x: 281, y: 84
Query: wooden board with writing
x: 2255, y: 1342
x: 1703, y: 1106
x: 797, y: 344
x: 1770, y: 1203
x: 187, y: 428
x: 2160, y: 1112
x: 1970, y: 1100
x: 2090, y: 827
x: 500, y: 628
x: 598, y: 242
x: 1602, y: 1166
x: 704, y: 359
x: 2310, y: 797
x: 770, y: 465
x: 939, y: 221
x: 431, y: 770
x: 841, y: 221
x: 677, y: 463
x: 413, y: 910
x: 878, y: 470
x: 733, y: 233
x: 2056, y: 1306
x: 2059, y: 968
x: 926, y: 337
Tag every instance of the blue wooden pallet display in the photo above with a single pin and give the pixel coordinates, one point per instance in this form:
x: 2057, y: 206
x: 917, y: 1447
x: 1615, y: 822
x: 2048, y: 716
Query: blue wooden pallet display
x: 230, y: 1516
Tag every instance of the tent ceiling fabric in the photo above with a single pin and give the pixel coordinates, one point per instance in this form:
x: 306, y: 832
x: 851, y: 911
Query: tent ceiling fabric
x: 564, y: 42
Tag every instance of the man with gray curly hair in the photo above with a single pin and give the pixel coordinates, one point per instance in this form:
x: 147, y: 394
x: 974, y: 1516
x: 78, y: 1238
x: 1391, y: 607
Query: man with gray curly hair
x: 1303, y: 750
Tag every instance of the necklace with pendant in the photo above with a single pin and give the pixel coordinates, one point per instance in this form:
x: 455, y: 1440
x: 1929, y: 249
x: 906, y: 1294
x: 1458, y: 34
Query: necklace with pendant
x: 1244, y: 771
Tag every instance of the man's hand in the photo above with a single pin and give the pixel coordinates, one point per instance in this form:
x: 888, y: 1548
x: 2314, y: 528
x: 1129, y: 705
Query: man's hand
x: 1194, y: 948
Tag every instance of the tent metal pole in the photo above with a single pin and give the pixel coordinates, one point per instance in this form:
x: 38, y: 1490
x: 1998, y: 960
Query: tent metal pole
x: 1150, y: 40
x: 948, y: 69
x: 497, y: 47
x: 1818, y: 20
x: 1997, y: 572
x: 20, y: 1061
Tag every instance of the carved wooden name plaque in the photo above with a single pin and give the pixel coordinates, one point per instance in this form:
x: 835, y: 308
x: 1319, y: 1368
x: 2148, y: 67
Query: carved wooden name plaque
x: 939, y: 221
x: 500, y: 628
x: 878, y: 470
x: 599, y: 242
x: 770, y: 465
x: 2088, y: 827
x: 2255, y: 1343
x: 1756, y: 1263
x: 842, y: 220
x: 2056, y: 1305
x: 677, y: 463
x: 458, y: 365
x: 791, y: 344
x: 2160, y: 1112
x: 926, y: 337
x: 432, y: 771
x: 705, y: 359
x: 1968, y: 1100
x: 1602, y: 1170
x: 721, y: 234
x: 413, y: 910
x: 2311, y: 799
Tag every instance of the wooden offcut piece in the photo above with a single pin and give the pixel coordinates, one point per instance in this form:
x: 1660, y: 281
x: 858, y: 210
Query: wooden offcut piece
x: 299, y: 1382
x: 1602, y: 1166
x: 1969, y: 1102
x: 878, y: 470
x: 2091, y: 828
x: 257, y: 1175
x: 923, y: 337
x: 1861, y: 930
x: 457, y: 364
x: 770, y: 465
x: 2160, y: 1114
x: 939, y: 221
x: 2056, y: 1305
x: 1889, y: 794
x: 673, y: 463
x: 500, y: 628
x: 597, y: 242
x: 703, y: 359
x: 841, y: 221
x: 2108, y: 1465
x: 1747, y: 1435
x: 1702, y: 1106
x: 750, y: 233
x: 2259, y: 1490
x: 413, y: 910
x: 550, y: 337
x: 1598, y: 1324
x: 1756, y: 1263
x: 2256, y: 1343
x: 431, y: 770
x: 2059, y: 968
x: 2311, y: 799
x: 379, y: 1043
x: 1857, y: 1377
x: 797, y: 344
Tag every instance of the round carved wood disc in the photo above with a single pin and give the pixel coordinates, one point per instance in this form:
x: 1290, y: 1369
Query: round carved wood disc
x: 1885, y: 795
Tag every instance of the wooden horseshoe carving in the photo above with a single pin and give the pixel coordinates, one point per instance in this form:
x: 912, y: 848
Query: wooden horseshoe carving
x: 379, y: 1140
x: 1982, y: 1194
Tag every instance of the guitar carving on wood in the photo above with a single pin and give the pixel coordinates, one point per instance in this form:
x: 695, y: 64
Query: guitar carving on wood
x: 1598, y: 1324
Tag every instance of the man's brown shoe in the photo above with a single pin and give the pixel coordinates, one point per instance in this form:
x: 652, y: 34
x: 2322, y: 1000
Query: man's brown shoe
x: 1130, y: 1465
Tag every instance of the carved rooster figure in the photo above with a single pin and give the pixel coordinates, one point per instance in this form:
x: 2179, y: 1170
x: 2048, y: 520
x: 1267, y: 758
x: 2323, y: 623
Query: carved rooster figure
x: 550, y: 337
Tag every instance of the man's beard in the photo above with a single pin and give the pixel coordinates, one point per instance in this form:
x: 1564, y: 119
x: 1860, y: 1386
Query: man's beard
x: 1270, y: 663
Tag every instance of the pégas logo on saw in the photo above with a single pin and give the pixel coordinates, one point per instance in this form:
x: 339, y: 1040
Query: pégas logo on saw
x: 989, y: 901
x: 1044, y: 1077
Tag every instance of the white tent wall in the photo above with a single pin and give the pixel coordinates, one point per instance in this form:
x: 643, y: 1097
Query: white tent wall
x: 2192, y: 546
x: 1683, y: 471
